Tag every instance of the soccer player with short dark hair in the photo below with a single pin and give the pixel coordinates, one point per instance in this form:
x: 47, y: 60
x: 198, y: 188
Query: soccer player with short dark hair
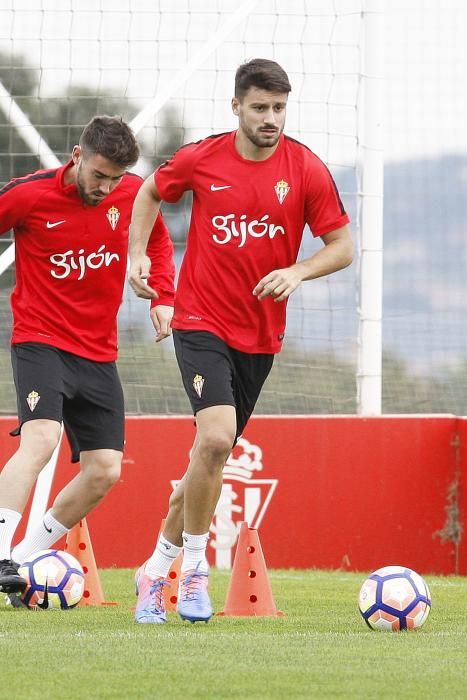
x: 71, y: 236
x: 254, y: 189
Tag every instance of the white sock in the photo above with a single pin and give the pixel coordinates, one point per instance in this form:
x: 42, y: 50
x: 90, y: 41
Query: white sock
x: 9, y: 521
x: 162, y: 558
x: 194, y: 552
x: 43, y: 536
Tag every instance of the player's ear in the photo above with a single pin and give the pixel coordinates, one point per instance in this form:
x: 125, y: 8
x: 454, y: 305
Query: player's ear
x: 75, y: 154
x: 235, y: 106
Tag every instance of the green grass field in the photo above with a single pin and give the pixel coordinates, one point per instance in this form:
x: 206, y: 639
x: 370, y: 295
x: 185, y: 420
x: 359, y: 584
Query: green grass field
x: 321, y: 648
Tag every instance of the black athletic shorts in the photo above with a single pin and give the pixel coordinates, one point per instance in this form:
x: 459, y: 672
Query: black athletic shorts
x: 214, y: 374
x: 86, y: 395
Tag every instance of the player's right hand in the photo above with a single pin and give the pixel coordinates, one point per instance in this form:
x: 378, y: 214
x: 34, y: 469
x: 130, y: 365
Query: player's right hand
x: 139, y: 272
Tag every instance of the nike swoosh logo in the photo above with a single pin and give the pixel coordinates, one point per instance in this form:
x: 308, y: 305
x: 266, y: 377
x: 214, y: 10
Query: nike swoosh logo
x: 45, y: 603
x: 49, y: 529
x: 55, y: 223
x: 214, y: 188
x: 2, y: 520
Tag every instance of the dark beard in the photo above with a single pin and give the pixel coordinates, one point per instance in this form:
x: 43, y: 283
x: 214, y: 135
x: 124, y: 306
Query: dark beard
x: 257, y: 140
x: 82, y: 192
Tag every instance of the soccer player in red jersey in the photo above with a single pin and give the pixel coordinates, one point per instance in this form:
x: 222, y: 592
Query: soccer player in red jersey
x: 254, y: 190
x: 71, y: 236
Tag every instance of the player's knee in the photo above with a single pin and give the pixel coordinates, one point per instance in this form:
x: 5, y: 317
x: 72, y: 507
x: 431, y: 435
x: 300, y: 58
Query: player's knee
x: 101, y: 483
x: 215, y: 447
x: 112, y: 475
x: 104, y: 474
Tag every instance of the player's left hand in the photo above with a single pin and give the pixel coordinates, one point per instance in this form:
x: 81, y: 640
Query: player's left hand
x: 161, y: 317
x: 278, y: 284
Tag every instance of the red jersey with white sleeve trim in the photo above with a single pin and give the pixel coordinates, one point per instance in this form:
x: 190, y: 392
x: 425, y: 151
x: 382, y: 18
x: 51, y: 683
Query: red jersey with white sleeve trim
x: 247, y: 220
x: 71, y: 262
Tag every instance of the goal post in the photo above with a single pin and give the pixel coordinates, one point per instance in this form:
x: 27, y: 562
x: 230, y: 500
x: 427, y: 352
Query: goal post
x: 169, y: 71
x: 370, y: 107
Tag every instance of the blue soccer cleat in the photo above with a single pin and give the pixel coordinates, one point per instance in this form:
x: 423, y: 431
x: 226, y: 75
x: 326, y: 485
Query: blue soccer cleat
x: 194, y: 604
x: 150, y: 606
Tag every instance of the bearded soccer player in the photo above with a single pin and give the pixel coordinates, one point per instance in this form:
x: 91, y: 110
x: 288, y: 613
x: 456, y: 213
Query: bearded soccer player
x: 254, y: 189
x: 71, y: 235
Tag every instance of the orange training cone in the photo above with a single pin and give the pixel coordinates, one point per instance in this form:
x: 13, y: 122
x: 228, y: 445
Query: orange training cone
x: 173, y: 578
x: 78, y: 543
x: 249, y: 590
x: 171, y: 590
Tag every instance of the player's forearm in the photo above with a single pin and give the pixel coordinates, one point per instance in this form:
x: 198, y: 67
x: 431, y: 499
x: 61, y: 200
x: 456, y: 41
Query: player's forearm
x: 145, y: 210
x: 162, y: 279
x: 334, y: 256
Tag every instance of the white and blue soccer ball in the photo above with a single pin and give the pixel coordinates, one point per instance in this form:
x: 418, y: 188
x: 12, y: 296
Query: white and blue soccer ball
x: 55, y: 580
x: 394, y: 598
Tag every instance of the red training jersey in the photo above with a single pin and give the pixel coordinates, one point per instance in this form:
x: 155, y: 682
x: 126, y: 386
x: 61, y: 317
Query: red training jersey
x: 71, y: 262
x: 247, y: 220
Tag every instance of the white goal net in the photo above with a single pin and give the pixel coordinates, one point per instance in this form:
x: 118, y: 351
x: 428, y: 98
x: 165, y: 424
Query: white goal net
x: 168, y: 67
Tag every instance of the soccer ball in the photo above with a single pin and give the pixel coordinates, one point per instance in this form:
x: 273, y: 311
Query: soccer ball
x: 394, y: 598
x: 55, y: 580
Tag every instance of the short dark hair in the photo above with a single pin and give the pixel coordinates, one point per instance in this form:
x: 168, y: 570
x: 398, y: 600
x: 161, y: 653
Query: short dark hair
x: 111, y: 138
x: 263, y: 74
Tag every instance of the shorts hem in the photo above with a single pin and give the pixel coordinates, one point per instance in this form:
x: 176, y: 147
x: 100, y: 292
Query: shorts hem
x: 17, y: 431
x: 76, y: 452
x: 214, y: 403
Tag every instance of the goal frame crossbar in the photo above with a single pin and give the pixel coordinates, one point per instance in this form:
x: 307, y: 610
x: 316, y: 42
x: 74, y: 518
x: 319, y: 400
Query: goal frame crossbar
x: 370, y: 199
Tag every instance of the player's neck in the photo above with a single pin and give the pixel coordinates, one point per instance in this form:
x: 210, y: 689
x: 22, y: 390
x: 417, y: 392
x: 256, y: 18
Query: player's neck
x: 248, y: 150
x: 69, y: 176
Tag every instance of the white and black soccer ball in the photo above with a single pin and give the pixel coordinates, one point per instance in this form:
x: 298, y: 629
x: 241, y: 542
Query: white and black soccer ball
x: 55, y: 580
x: 394, y: 598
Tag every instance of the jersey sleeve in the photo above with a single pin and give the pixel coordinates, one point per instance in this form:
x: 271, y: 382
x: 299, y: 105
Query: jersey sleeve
x: 174, y: 177
x: 15, y: 202
x: 161, y: 253
x: 324, y: 211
